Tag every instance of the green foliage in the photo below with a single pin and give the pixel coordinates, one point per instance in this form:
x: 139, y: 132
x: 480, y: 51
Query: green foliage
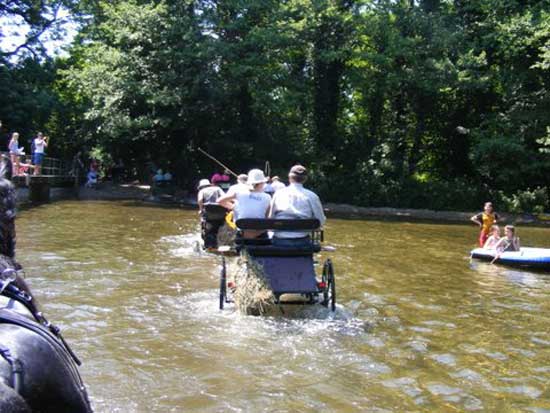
x: 431, y: 104
x: 103, y: 158
x: 527, y: 201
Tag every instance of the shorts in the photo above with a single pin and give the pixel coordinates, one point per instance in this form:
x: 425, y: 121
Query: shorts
x: 37, y: 158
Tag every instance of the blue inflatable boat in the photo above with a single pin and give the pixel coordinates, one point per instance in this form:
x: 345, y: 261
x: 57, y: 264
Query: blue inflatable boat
x: 534, y: 258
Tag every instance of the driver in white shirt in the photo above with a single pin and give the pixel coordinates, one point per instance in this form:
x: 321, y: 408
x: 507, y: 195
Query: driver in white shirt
x: 295, y: 202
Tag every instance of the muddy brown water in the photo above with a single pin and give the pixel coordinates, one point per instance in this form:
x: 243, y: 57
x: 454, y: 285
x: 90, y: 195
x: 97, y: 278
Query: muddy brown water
x: 419, y: 328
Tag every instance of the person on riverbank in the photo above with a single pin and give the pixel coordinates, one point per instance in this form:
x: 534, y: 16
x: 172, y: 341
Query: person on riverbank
x: 510, y: 242
x: 295, y: 202
x: 40, y: 144
x: 91, y: 179
x: 492, y: 241
x: 15, y: 152
x: 485, y: 220
x: 159, y: 177
x: 254, y: 203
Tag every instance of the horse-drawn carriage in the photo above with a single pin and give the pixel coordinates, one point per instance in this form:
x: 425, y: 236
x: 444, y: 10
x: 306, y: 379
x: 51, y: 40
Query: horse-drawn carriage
x: 287, y: 265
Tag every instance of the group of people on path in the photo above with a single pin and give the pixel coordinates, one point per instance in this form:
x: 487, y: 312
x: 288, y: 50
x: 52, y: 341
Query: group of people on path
x: 248, y: 198
x: 38, y: 149
x: 490, y: 233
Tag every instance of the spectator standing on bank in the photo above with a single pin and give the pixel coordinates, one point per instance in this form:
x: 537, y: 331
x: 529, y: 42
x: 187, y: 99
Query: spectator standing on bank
x: 40, y: 144
x: 13, y: 147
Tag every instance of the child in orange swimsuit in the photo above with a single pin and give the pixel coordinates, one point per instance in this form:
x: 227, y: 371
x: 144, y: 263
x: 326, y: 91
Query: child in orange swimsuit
x: 485, y: 220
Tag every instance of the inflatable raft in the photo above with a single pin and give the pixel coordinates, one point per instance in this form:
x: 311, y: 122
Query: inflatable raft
x: 535, y: 258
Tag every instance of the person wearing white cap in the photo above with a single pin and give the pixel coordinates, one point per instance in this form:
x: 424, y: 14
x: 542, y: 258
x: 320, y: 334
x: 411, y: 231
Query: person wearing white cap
x: 295, y: 202
x: 208, y: 194
x: 251, y: 204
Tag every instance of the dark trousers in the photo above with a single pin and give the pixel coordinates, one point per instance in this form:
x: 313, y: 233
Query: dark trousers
x: 209, y: 232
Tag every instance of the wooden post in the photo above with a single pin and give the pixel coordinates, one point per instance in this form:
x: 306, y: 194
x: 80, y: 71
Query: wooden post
x: 39, y: 189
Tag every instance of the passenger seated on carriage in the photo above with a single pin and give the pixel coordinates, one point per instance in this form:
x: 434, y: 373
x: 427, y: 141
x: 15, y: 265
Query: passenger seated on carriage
x: 295, y: 202
x: 240, y: 186
x: 209, y: 194
x: 253, y: 203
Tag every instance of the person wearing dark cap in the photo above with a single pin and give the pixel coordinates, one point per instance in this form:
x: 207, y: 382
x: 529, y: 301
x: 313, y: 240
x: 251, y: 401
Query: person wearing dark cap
x: 296, y: 202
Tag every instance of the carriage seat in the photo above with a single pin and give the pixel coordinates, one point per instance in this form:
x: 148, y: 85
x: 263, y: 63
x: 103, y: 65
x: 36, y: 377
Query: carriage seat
x: 214, y: 212
x: 265, y: 248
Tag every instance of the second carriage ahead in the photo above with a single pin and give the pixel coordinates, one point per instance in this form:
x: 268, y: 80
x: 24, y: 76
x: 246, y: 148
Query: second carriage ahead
x: 287, y: 264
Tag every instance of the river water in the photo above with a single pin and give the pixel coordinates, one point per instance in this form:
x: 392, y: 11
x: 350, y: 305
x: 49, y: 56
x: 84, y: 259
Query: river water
x: 418, y: 328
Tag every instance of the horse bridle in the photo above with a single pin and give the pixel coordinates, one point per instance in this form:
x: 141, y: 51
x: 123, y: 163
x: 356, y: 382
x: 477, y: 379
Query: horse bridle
x: 9, y: 289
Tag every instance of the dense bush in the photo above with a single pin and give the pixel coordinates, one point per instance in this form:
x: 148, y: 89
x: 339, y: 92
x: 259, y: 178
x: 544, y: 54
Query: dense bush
x: 528, y: 201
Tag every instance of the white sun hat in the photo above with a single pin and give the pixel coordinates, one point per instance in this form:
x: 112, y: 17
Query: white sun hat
x: 203, y: 183
x: 256, y: 176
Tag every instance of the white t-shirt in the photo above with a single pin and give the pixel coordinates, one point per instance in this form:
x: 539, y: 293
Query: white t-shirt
x: 238, y: 188
x: 251, y: 205
x: 296, y: 202
x: 39, y: 145
x: 276, y: 185
x: 210, y: 194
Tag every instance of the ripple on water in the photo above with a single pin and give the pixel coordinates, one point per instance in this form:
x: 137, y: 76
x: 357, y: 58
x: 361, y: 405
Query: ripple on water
x: 445, y: 359
x: 455, y: 395
x: 419, y: 344
x: 523, y: 390
x: 440, y: 324
x: 407, y: 385
x: 540, y: 341
x: 185, y: 245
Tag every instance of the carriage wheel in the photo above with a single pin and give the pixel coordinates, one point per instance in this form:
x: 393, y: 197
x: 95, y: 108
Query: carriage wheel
x: 332, y: 286
x: 324, y: 280
x: 223, y: 284
x: 330, y: 291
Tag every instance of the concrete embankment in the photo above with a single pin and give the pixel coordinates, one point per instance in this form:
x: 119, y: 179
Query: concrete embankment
x: 110, y: 191
x: 355, y: 212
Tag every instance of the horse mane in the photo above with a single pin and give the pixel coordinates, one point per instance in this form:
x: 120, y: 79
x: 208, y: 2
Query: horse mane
x: 8, y: 200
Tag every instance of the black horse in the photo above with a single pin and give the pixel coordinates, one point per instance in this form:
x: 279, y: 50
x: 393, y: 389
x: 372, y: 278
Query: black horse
x: 38, y: 371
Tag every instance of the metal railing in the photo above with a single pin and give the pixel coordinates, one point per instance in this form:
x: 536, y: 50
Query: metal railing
x: 50, y: 166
